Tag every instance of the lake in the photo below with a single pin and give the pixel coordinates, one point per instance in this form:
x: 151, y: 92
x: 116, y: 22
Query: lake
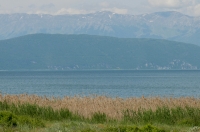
x: 113, y: 83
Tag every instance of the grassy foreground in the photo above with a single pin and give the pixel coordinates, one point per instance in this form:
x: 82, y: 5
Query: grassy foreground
x: 94, y: 114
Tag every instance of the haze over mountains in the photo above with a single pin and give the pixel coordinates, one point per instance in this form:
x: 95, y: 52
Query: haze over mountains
x: 68, y: 52
x: 160, y: 25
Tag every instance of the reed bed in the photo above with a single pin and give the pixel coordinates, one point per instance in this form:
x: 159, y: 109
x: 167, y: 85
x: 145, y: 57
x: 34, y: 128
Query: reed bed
x: 112, y: 107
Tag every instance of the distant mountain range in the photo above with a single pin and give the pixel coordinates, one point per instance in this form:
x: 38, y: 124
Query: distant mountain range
x: 160, y: 25
x: 72, y: 52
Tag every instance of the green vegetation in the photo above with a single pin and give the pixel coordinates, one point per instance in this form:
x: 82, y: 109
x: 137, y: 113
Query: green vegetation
x: 8, y: 119
x: 65, y: 52
x: 27, y: 117
x: 175, y: 116
x: 147, y: 128
x: 34, y: 111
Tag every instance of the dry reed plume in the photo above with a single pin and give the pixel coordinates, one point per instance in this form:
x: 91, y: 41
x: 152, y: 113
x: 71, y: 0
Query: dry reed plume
x: 112, y: 107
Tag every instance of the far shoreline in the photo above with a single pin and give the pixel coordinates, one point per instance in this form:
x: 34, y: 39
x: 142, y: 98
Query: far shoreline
x: 43, y: 70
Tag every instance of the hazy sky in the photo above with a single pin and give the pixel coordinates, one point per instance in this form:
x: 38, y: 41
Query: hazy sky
x: 55, y: 7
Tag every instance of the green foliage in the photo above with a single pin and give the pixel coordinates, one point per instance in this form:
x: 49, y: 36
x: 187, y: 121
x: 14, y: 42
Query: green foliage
x: 99, y: 117
x: 88, y: 130
x: 31, y: 122
x: 186, y: 121
x: 8, y: 119
x: 46, y: 113
x: 147, y: 128
x: 13, y: 116
x: 85, y: 127
x: 176, y: 116
x: 122, y: 129
x: 150, y: 128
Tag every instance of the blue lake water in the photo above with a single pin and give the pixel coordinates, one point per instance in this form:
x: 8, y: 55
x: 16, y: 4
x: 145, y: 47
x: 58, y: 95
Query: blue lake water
x: 113, y: 83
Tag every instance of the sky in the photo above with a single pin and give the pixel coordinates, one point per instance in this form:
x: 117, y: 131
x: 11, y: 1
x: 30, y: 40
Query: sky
x: 135, y: 7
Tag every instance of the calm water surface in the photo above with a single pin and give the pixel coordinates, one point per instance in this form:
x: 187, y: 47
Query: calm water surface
x: 121, y: 83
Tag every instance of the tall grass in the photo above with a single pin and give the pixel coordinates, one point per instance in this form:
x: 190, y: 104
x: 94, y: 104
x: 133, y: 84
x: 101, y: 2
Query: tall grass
x: 33, y: 110
x: 34, y: 115
x: 175, y: 116
x: 8, y: 119
x: 112, y: 107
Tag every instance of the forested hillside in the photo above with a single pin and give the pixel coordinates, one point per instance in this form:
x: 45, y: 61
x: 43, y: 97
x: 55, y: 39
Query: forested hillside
x: 67, y: 52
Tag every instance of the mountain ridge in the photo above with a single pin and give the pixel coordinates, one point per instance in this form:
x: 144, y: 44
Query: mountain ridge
x: 86, y: 52
x: 162, y: 25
